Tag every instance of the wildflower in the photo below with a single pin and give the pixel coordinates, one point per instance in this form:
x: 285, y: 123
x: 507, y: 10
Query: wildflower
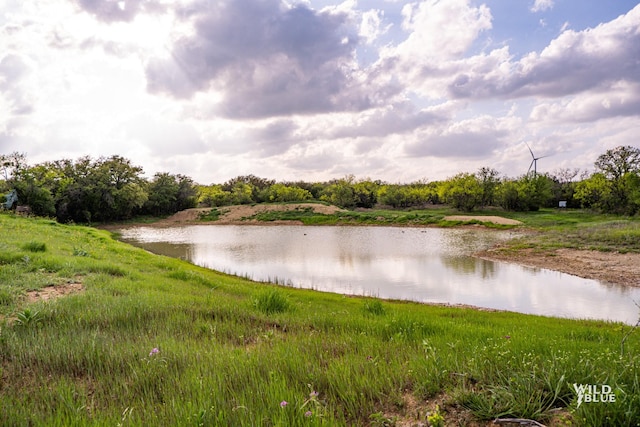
x: 313, y: 394
x: 154, y: 352
x: 507, y: 337
x: 283, y: 403
x: 308, y: 414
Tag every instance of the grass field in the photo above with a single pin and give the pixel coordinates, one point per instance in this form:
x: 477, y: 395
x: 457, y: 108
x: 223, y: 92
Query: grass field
x: 157, y: 341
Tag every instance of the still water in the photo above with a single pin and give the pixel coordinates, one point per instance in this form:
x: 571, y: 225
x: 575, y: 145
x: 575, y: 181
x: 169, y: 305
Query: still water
x: 418, y: 264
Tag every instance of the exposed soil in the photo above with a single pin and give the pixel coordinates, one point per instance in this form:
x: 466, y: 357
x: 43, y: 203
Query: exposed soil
x: 609, y: 267
x: 235, y: 214
x: 54, y: 291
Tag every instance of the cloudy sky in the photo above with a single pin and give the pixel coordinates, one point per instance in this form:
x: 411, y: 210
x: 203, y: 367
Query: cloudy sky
x: 317, y: 89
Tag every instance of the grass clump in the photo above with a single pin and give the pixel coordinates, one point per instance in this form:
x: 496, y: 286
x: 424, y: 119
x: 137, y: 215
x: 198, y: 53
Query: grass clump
x: 270, y: 301
x: 211, y: 215
x: 34, y: 246
x: 374, y: 307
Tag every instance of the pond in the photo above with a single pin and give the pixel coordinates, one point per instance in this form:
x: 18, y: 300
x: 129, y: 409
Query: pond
x: 419, y: 264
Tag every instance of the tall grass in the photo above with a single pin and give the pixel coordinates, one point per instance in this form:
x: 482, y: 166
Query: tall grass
x: 158, y: 341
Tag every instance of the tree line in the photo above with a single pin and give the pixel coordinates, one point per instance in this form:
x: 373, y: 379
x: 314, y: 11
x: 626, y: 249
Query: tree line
x: 112, y: 188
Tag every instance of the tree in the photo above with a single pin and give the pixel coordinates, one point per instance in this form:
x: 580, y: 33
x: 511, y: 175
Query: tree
x: 595, y: 192
x: 528, y: 193
x: 617, y: 162
x: 11, y: 164
x: 365, y: 194
x: 463, y: 191
x: 340, y: 193
x: 488, y: 178
x: 213, y: 195
x: 285, y: 193
x: 615, y: 165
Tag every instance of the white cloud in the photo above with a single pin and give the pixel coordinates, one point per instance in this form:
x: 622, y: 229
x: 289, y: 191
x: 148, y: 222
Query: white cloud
x: 574, y: 62
x: 441, y: 30
x: 370, y: 26
x: 542, y: 5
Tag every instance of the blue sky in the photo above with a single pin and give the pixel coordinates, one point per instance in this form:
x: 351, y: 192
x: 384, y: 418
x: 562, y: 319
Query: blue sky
x: 317, y: 89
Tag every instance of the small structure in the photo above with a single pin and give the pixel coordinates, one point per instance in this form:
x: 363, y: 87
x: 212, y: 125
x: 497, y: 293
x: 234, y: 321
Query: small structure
x: 11, y: 201
x: 562, y: 204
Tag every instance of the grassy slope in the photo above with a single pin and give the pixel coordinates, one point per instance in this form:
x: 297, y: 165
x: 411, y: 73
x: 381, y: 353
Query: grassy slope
x: 230, y: 350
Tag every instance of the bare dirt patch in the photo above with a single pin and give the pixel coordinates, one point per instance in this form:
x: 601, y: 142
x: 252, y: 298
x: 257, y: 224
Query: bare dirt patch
x: 482, y: 218
x: 609, y: 267
x: 54, y: 291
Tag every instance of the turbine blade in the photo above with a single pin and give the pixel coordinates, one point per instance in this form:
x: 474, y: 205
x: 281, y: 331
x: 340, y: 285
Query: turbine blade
x: 529, y: 170
x: 530, y: 150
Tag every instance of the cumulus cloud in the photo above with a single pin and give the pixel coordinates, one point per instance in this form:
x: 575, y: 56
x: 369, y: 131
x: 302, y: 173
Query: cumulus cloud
x: 442, y: 29
x: 541, y: 5
x: 622, y: 99
x: 118, y: 10
x: 574, y: 62
x: 394, y: 119
x: 266, y: 59
x: 473, y: 138
x: 13, y: 94
x: 371, y: 25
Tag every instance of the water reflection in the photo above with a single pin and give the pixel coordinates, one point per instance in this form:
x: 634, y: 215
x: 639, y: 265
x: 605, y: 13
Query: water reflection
x: 426, y: 265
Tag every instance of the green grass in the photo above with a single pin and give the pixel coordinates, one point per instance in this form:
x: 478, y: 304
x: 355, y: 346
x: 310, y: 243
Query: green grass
x: 230, y: 351
x: 212, y: 215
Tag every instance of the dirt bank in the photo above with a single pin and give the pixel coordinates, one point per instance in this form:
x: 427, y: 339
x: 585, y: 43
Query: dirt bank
x: 609, y: 267
x: 235, y: 214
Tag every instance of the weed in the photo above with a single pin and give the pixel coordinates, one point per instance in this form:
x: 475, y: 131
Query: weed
x: 28, y: 318
x: 379, y: 419
x: 436, y: 419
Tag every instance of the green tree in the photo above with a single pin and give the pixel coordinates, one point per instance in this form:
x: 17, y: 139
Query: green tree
x: 463, y: 191
x: 595, y: 192
x: 615, y: 165
x: 365, y: 193
x: 489, y: 180
x: 528, y: 193
x: 170, y: 193
x: 340, y: 193
x: 11, y: 164
x: 214, y: 195
x: 285, y: 193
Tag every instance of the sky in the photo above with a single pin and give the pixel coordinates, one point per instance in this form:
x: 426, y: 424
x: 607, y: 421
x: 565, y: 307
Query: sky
x: 316, y: 90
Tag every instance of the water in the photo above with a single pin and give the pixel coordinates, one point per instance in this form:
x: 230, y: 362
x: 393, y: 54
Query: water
x: 418, y: 264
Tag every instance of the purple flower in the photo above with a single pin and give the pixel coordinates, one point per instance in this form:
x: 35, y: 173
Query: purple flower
x: 308, y: 414
x: 283, y: 403
x: 154, y: 351
x: 313, y: 394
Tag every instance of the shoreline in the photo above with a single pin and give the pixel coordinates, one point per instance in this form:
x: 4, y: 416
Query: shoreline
x: 609, y: 268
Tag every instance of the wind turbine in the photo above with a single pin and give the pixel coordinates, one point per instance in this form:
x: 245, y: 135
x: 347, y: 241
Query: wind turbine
x: 534, y: 162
